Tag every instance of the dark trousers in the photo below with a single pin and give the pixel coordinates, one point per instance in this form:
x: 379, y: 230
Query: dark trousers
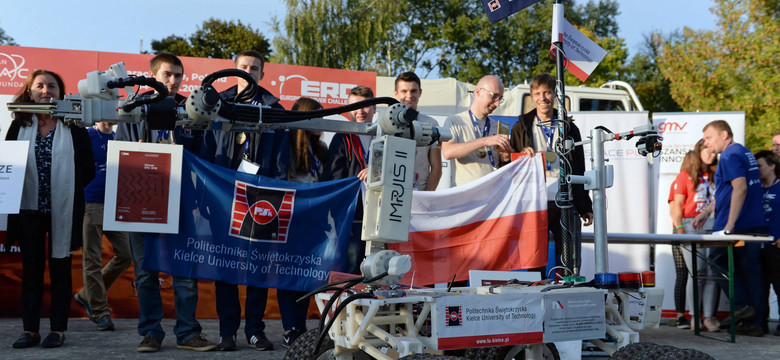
x: 229, y: 309
x: 30, y: 229
x: 554, y: 224
x: 749, y: 278
x: 681, y: 281
x: 770, y: 258
x: 293, y: 313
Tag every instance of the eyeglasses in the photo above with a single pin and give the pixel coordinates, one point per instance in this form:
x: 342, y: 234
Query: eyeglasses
x: 494, y: 97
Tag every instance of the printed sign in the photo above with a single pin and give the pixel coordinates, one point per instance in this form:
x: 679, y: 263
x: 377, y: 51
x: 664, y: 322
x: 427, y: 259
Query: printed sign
x: 143, y: 186
x: 574, y: 314
x: 467, y: 321
x: 13, y: 163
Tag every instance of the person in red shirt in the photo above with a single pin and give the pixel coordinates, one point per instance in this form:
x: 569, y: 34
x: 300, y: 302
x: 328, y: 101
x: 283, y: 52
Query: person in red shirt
x: 693, y: 192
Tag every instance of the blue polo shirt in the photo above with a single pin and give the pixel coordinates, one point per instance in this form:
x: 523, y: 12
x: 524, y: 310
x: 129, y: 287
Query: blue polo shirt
x: 772, y: 209
x: 737, y: 161
x: 95, y: 191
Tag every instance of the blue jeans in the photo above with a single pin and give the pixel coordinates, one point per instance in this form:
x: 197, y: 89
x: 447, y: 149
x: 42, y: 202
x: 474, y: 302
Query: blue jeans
x: 150, y: 310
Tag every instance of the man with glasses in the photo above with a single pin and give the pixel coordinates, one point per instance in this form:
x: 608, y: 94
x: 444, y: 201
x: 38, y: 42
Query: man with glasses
x: 536, y: 132
x: 475, y: 140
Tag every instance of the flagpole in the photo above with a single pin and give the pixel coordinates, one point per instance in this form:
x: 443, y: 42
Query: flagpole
x: 569, y: 258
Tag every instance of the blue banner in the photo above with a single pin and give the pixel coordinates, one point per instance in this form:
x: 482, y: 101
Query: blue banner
x: 498, y: 10
x: 253, y: 230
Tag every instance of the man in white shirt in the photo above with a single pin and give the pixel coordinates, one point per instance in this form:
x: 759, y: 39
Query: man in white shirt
x: 475, y: 140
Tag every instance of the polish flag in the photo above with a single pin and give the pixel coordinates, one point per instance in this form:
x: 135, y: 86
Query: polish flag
x: 498, y: 222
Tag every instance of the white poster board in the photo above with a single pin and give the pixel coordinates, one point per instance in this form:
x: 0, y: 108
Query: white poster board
x: 143, y: 187
x: 5, y: 115
x: 13, y: 163
x: 628, y: 200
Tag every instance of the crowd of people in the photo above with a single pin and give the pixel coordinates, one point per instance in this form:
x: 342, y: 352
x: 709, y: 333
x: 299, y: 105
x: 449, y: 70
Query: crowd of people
x: 736, y: 194
x: 62, y: 201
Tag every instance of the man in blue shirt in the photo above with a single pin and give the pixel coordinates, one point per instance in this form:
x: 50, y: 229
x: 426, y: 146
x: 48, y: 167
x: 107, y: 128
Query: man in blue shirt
x: 738, y: 209
x: 96, y: 280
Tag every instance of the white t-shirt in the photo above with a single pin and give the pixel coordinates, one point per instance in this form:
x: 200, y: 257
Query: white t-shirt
x: 470, y: 167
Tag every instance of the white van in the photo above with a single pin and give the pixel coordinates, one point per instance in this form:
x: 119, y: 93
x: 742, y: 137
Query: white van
x: 449, y: 96
x: 612, y: 96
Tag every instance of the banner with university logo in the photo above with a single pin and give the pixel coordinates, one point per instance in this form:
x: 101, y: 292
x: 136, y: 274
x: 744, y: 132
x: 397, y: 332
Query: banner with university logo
x: 498, y: 222
x: 252, y: 230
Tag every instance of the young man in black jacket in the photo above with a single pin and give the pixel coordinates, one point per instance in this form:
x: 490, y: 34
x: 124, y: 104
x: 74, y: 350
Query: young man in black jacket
x: 536, y: 132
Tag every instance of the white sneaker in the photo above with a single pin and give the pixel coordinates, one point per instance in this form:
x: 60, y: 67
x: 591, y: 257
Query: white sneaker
x: 711, y: 324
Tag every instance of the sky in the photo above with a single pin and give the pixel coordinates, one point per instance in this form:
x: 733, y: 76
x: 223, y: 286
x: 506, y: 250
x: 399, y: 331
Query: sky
x: 130, y: 26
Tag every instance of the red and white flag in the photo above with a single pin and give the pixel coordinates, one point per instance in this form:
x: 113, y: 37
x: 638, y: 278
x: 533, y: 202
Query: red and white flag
x: 498, y: 222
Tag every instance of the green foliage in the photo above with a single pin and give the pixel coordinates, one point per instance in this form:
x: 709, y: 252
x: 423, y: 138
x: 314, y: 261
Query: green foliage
x: 6, y: 39
x: 731, y: 68
x: 215, y: 39
x: 349, y: 34
x: 453, y: 37
x: 643, y: 74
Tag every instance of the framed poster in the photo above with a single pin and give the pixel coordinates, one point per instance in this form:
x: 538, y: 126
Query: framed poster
x: 143, y: 187
x: 13, y: 164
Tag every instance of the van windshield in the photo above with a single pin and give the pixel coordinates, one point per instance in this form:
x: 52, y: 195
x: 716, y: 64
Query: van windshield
x: 601, y: 105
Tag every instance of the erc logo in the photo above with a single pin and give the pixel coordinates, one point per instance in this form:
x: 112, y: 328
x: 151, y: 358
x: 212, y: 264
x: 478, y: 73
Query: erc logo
x: 322, y: 91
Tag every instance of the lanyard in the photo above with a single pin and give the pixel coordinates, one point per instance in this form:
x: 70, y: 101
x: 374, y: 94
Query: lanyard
x: 315, y: 169
x: 485, y: 131
x: 549, y: 134
x: 255, y: 101
x: 361, y: 155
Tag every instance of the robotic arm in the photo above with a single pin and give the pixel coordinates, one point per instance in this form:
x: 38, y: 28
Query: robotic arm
x: 98, y: 100
x: 391, y: 163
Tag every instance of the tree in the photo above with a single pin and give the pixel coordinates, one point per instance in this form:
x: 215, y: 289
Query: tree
x: 215, y: 39
x: 518, y: 47
x: 643, y: 74
x: 5, y: 39
x: 349, y: 34
x: 731, y: 68
x: 451, y: 37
